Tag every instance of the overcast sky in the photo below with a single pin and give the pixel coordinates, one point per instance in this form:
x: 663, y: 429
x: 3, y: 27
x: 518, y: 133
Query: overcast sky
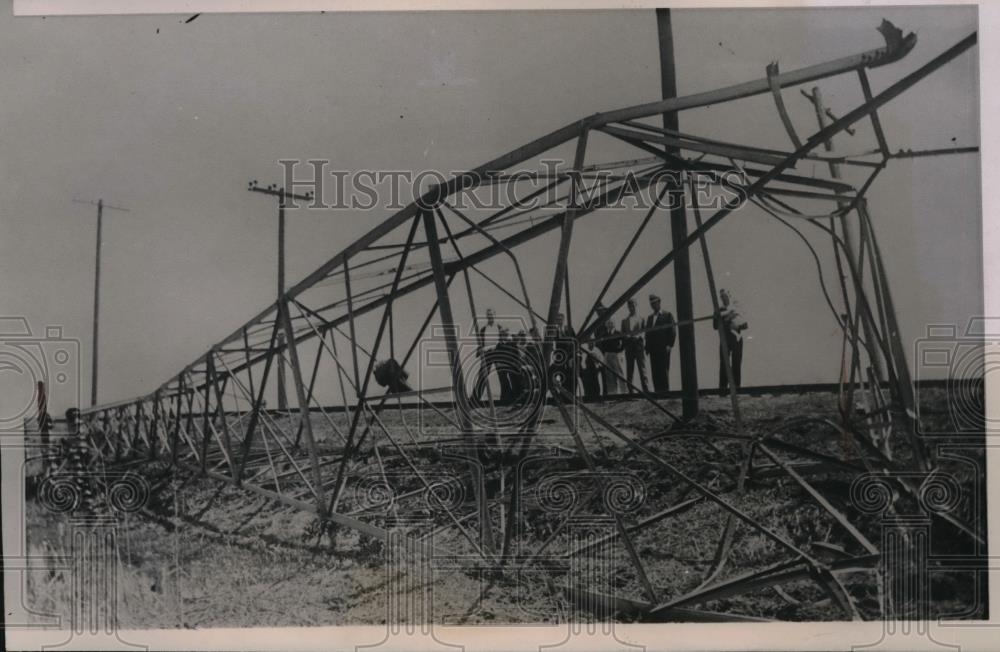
x: 172, y: 119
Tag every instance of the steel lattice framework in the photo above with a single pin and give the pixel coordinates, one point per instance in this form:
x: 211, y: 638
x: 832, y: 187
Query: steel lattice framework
x: 211, y: 418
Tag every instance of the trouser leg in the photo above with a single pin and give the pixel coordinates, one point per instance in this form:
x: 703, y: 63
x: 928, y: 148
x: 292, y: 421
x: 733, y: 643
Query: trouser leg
x: 737, y: 363
x: 723, y: 377
x: 504, y: 377
x: 640, y: 363
x: 635, y: 362
x: 666, y: 371
x: 657, y: 369
x: 614, y: 369
x: 482, y: 377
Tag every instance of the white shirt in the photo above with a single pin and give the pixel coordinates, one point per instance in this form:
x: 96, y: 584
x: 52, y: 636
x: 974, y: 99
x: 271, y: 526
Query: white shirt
x: 732, y: 319
x: 490, y: 334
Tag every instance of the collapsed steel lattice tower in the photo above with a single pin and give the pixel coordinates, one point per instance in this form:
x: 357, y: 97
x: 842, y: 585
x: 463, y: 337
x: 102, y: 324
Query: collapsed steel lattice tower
x: 211, y: 418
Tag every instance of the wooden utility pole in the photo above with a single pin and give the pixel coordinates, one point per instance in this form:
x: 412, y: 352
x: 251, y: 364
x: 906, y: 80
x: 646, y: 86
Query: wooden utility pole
x: 678, y: 231
x: 97, y: 305
x: 97, y: 291
x: 283, y: 197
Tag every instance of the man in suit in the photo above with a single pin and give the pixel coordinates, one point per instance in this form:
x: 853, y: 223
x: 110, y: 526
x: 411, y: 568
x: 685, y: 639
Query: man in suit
x: 488, y: 337
x: 658, y: 344
x: 635, y: 358
x: 590, y: 375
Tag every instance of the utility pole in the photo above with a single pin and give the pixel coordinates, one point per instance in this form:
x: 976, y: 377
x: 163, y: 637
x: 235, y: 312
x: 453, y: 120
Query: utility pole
x: 678, y: 231
x: 283, y: 197
x: 97, y: 290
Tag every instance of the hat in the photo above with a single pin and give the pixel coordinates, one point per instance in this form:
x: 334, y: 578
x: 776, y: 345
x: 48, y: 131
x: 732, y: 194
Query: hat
x: 654, y: 297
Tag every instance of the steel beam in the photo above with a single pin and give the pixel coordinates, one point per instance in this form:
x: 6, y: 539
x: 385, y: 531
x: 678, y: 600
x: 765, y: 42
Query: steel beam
x: 303, y: 399
x: 868, y: 59
x: 830, y: 130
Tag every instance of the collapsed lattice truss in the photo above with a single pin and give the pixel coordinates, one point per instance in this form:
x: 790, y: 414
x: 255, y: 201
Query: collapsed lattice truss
x: 473, y: 488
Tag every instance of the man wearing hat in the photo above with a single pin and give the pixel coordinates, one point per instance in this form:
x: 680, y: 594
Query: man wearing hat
x: 659, y: 341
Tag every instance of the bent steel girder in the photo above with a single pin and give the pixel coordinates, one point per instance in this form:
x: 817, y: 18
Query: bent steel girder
x: 869, y: 59
x: 212, y: 418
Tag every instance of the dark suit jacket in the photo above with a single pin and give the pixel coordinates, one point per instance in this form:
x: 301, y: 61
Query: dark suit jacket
x: 610, y: 345
x: 658, y: 340
x: 508, y: 355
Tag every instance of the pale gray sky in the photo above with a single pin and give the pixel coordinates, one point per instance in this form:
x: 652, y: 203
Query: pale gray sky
x: 171, y: 120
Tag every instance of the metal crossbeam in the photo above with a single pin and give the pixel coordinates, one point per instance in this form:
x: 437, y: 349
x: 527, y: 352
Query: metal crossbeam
x: 212, y: 418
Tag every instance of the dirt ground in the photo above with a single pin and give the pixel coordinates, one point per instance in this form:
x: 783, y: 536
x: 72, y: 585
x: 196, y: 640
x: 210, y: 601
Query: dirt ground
x: 199, y: 554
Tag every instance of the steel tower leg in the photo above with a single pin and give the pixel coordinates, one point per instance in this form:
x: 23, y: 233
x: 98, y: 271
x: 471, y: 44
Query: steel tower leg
x: 678, y: 231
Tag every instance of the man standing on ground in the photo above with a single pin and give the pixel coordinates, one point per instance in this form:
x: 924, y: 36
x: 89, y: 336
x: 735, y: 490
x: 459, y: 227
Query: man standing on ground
x: 659, y: 341
x: 635, y: 358
x: 732, y: 326
x: 488, y: 337
x: 590, y: 375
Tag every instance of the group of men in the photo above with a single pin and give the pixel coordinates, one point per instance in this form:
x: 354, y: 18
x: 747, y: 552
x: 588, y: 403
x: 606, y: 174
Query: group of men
x: 636, y: 338
x: 518, y: 359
